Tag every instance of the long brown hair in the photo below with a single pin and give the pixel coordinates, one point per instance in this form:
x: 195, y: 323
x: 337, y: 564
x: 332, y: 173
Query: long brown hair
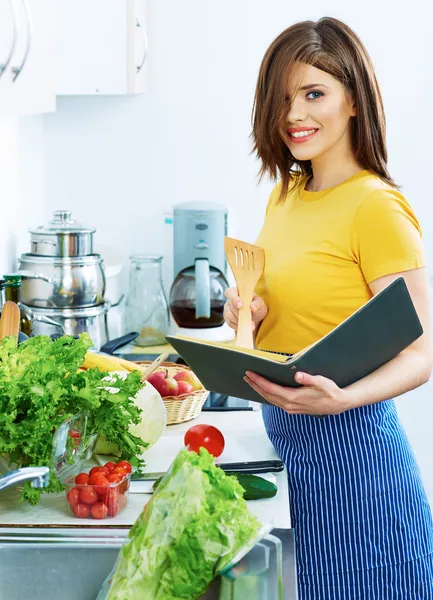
x: 331, y: 46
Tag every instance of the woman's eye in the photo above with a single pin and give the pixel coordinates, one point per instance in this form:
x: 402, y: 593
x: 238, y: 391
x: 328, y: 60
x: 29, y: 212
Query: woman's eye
x: 315, y: 94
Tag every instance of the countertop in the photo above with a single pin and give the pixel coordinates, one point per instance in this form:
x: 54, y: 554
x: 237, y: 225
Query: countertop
x: 245, y: 437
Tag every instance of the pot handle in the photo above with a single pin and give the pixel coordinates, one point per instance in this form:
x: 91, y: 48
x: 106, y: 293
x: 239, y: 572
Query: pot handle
x: 113, y: 345
x: 30, y: 275
x: 48, y: 321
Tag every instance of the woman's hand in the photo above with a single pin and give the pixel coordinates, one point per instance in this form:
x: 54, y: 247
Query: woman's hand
x: 317, y: 396
x: 259, y: 310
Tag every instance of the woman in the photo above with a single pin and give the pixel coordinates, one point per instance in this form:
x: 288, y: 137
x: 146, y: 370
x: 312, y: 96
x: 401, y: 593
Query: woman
x: 336, y: 232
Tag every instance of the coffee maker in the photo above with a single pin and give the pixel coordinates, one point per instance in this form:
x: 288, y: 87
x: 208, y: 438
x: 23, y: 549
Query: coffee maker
x: 200, y: 270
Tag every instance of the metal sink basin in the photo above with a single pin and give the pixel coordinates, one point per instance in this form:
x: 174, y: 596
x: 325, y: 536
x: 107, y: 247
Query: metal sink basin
x: 72, y: 564
x: 56, y: 564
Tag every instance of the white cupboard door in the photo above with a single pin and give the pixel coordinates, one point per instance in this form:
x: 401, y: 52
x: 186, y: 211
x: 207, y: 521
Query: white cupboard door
x: 8, y: 40
x: 92, y: 47
x: 28, y: 83
x: 102, y: 47
x: 33, y: 65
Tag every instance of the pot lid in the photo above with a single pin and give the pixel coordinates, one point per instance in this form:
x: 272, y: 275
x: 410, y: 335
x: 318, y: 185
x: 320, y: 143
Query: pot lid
x: 62, y: 222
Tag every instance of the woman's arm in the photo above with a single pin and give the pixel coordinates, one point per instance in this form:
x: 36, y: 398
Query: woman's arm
x: 412, y: 367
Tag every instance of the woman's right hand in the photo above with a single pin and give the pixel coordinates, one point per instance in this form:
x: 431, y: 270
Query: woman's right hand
x: 259, y: 310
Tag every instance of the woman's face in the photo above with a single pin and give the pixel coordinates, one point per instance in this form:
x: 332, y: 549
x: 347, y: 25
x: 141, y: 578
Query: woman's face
x: 319, y: 115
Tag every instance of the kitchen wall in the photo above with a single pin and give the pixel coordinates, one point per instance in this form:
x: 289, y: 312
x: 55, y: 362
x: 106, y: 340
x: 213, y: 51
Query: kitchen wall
x: 22, y: 190
x: 119, y: 162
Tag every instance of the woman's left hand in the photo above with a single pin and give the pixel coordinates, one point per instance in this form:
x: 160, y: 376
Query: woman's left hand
x: 317, y: 396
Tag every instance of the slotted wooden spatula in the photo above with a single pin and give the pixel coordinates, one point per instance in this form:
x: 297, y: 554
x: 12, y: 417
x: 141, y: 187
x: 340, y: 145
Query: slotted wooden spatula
x: 10, y: 320
x: 247, y: 262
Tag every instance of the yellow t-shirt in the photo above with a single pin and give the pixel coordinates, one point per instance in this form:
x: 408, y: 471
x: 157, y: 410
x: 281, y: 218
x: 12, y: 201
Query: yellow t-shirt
x: 322, y: 249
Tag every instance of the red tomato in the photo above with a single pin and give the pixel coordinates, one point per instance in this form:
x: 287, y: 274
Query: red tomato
x: 73, y: 433
x: 100, y: 482
x: 99, y: 510
x: 113, y: 502
x: 206, y: 436
x: 82, y: 511
x: 88, y: 495
x: 120, y: 471
x: 115, y: 477
x: 73, y: 496
x: 103, y: 470
x: 124, y: 464
x: 82, y: 479
x: 110, y: 465
x: 97, y: 478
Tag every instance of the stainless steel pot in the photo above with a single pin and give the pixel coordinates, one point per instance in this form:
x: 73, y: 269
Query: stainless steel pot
x: 55, y: 282
x: 73, y: 322
x: 62, y: 237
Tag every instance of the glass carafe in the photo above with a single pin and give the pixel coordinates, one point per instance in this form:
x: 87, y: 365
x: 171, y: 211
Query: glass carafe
x: 146, y: 308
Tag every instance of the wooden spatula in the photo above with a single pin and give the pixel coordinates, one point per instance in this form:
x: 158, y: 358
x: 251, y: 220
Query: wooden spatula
x: 10, y: 320
x: 151, y: 368
x: 247, y: 263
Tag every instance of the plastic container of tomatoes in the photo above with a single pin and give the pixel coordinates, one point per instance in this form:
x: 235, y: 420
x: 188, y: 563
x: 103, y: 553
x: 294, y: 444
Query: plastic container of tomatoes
x: 100, y: 493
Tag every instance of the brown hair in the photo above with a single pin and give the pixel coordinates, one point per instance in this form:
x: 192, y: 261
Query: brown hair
x: 331, y: 46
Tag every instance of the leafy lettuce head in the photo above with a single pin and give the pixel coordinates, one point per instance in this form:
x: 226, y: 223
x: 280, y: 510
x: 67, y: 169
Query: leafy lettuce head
x: 195, y: 523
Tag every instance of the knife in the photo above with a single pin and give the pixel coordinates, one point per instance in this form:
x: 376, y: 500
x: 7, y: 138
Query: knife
x: 259, y: 466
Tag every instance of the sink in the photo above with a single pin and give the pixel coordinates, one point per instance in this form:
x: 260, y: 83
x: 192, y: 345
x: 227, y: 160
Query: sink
x: 72, y: 564
x: 54, y: 564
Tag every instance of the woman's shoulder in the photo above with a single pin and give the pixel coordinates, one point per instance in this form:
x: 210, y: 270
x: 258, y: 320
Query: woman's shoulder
x: 375, y: 192
x: 296, y: 179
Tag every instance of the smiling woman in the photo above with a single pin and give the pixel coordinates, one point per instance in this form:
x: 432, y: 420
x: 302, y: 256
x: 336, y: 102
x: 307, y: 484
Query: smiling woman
x: 336, y: 232
x: 298, y: 79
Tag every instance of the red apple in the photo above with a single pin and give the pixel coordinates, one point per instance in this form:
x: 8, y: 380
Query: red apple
x: 190, y: 377
x: 157, y: 378
x: 184, y: 387
x: 170, y: 387
x: 166, y: 386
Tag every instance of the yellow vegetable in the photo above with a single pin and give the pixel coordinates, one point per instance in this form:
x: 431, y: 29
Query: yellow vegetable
x: 101, y: 362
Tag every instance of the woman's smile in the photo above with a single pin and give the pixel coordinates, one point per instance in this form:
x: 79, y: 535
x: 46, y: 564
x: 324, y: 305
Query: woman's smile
x: 300, y: 135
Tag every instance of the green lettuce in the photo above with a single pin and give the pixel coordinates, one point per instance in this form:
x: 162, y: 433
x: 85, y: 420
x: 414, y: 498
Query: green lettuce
x: 193, y: 526
x: 41, y: 386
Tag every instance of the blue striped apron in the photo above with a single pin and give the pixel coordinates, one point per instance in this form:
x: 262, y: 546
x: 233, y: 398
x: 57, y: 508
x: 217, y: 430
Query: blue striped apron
x: 363, y: 525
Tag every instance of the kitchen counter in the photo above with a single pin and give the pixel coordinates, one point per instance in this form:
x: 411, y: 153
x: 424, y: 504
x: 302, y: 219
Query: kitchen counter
x: 246, y: 440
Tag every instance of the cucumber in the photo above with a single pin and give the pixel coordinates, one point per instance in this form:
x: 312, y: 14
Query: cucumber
x: 255, y: 487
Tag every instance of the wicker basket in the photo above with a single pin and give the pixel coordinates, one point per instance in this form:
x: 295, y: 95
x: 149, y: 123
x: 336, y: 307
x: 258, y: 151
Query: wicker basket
x: 180, y: 408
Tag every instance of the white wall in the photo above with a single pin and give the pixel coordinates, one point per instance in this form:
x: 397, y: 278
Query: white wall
x: 119, y: 162
x: 21, y: 185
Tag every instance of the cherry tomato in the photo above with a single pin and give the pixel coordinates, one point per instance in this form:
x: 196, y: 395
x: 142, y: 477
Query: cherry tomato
x: 88, y: 495
x: 206, y: 436
x: 73, y: 433
x: 115, y: 477
x: 82, y: 511
x: 103, y: 470
x: 110, y: 465
x: 96, y: 478
x: 113, y: 502
x: 120, y: 471
x: 99, y: 482
x: 73, y: 496
x: 82, y: 479
x: 124, y: 464
x: 99, y: 510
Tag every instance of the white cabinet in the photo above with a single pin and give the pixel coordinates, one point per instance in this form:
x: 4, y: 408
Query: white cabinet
x: 102, y: 47
x: 27, y: 57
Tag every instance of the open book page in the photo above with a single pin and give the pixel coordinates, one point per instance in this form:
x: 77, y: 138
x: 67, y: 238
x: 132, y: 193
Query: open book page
x: 231, y: 347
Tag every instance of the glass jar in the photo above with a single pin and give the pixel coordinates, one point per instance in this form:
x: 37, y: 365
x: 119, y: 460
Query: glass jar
x: 146, y: 307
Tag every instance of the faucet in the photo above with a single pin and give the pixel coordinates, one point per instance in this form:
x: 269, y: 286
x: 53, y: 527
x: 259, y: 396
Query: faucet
x: 38, y: 476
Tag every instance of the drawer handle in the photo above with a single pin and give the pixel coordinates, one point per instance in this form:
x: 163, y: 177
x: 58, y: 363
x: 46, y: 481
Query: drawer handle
x: 17, y: 70
x: 5, y: 65
x: 145, y: 44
